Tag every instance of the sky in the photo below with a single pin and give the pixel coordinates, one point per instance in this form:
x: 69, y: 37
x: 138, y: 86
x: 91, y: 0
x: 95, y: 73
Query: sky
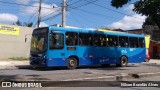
x: 80, y: 13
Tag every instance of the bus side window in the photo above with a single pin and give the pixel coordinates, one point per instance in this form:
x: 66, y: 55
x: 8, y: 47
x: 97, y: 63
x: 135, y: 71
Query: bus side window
x: 80, y: 41
x: 112, y: 40
x: 115, y: 41
x: 123, y: 41
x: 90, y: 40
x: 141, y: 43
x: 71, y: 38
x: 96, y: 40
x: 133, y: 42
x: 56, y: 41
x: 52, y: 41
x: 107, y: 41
x: 85, y: 39
x: 103, y: 40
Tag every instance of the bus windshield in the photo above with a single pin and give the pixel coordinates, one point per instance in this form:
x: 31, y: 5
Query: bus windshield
x: 39, y: 41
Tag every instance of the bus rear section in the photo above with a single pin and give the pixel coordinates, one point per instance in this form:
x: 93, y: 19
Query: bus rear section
x: 131, y: 49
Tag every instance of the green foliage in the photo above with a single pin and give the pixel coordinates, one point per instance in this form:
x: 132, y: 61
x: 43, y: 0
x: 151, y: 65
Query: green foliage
x: 30, y: 24
x: 149, y: 21
x: 19, y: 23
x: 147, y: 7
x: 119, y: 3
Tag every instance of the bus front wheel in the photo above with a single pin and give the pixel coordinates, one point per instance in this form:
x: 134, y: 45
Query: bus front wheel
x: 72, y: 63
x: 123, y: 62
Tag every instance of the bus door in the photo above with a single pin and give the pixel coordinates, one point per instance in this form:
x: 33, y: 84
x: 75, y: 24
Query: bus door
x: 56, y: 53
x: 71, y: 43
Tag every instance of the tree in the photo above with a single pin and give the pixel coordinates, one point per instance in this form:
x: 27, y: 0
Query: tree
x: 149, y: 21
x: 30, y: 24
x: 19, y: 23
x: 150, y: 8
x: 148, y: 25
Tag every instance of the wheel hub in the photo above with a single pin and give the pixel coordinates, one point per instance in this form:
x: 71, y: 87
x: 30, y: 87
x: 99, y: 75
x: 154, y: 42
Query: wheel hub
x: 71, y: 62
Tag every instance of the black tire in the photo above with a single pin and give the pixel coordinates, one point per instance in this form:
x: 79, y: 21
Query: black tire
x: 72, y: 63
x: 123, y: 62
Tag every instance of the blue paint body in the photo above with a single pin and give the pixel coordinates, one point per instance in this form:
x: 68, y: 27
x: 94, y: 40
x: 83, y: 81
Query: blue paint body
x: 88, y: 55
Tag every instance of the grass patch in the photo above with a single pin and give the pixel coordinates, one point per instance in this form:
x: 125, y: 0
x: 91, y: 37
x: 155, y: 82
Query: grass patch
x: 19, y: 58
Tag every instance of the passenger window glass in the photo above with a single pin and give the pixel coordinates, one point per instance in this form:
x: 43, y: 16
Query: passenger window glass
x: 99, y: 40
x: 103, y: 40
x: 123, y: 41
x: 56, y: 41
x: 71, y: 38
x: 96, y: 40
x: 85, y: 39
x: 141, y: 42
x: 112, y: 41
x: 133, y: 42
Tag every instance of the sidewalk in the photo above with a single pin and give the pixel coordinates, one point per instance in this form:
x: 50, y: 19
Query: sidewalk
x: 156, y: 61
x: 12, y: 64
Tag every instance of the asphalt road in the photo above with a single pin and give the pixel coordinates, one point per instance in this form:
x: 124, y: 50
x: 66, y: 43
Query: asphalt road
x: 89, y: 74
x: 61, y: 74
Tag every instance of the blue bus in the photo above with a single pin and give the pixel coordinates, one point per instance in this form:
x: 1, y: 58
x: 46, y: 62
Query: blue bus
x: 72, y: 47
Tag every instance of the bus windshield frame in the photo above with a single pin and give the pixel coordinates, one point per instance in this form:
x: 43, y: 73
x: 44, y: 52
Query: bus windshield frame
x: 39, y: 40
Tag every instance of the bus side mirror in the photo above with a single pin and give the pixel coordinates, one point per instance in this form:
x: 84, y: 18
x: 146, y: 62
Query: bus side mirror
x: 25, y: 40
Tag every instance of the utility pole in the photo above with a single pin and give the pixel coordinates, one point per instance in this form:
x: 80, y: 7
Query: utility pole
x: 64, y: 5
x: 39, y: 13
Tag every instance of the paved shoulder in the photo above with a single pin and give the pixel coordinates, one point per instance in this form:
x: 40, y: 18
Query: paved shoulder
x: 12, y: 64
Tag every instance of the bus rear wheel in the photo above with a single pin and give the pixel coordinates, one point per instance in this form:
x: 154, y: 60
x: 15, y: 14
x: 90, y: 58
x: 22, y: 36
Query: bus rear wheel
x: 123, y: 62
x: 72, y: 63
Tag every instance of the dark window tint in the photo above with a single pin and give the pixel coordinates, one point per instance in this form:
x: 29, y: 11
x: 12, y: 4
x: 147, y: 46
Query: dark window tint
x: 71, y: 38
x: 85, y: 39
x: 141, y: 42
x: 99, y: 40
x: 133, y: 42
x: 103, y: 40
x: 96, y: 40
x: 123, y: 41
x: 56, y: 41
x: 112, y: 40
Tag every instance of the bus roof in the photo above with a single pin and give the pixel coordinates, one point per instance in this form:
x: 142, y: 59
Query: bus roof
x: 94, y: 31
x: 71, y: 29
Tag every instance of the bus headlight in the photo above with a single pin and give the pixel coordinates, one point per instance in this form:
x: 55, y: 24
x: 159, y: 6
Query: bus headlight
x: 44, y: 56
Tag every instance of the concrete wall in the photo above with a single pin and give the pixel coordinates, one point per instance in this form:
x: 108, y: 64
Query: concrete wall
x: 15, y: 46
